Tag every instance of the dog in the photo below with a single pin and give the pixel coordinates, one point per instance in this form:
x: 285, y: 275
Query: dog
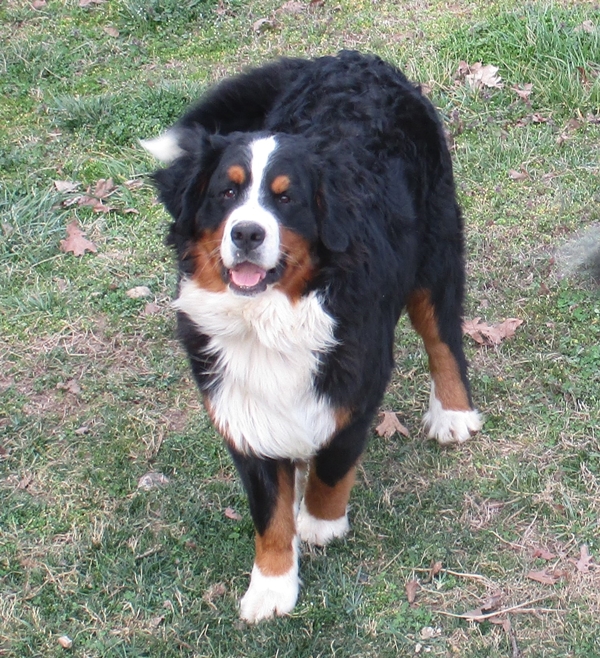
x: 313, y: 201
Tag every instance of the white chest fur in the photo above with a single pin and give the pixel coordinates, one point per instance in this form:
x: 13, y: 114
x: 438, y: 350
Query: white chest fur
x: 267, y: 355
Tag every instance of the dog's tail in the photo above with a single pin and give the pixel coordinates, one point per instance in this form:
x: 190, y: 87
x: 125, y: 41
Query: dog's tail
x: 240, y: 103
x: 581, y: 255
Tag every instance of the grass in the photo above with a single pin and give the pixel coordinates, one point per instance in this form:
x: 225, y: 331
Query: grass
x: 96, y: 393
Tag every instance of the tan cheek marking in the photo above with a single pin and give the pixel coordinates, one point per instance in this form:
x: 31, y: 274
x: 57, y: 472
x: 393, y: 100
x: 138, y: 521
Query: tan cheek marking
x: 325, y: 502
x: 237, y: 174
x: 449, y: 389
x: 207, y: 261
x: 274, y: 548
x: 299, y: 268
x: 280, y: 185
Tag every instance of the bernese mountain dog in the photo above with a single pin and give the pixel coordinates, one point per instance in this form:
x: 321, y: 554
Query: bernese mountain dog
x: 313, y: 200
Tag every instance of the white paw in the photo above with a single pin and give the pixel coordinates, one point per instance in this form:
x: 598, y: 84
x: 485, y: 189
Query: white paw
x: 450, y: 426
x: 319, y: 531
x: 268, y: 596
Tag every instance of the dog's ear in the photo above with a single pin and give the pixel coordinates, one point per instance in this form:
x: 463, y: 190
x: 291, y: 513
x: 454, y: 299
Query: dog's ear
x: 182, y: 185
x: 336, y: 215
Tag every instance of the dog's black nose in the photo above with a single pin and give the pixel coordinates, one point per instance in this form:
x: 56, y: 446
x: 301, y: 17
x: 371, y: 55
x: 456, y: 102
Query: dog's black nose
x: 247, y: 235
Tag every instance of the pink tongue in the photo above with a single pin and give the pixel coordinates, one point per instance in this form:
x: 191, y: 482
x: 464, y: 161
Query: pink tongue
x: 247, y: 275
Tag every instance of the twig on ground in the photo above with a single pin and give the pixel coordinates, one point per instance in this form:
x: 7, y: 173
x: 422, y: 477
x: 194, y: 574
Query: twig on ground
x: 496, y: 613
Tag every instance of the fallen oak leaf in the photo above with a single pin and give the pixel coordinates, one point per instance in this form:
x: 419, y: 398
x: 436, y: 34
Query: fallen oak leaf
x: 152, y: 480
x: 436, y: 567
x: 134, y: 183
x: 230, y: 513
x: 263, y: 24
x: 138, y: 292
x: 411, y: 589
x: 491, y: 605
x: 523, y: 91
x: 65, y: 185
x: 76, y: 242
x: 71, y: 386
x: 515, y: 174
x: 483, y: 76
x: 65, y: 642
x: 543, y: 554
x: 103, y: 188
x: 544, y: 577
x: 214, y: 591
x: 585, y: 561
x: 508, y: 327
x: 390, y: 425
x: 586, y: 26
x: 486, y: 334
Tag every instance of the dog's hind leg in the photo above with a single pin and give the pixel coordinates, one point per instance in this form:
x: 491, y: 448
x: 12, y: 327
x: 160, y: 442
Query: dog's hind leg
x: 274, y: 582
x: 436, y: 315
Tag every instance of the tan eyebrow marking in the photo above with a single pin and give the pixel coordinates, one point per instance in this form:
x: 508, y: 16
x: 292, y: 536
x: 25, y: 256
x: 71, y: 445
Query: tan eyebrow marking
x: 280, y: 184
x: 236, y: 174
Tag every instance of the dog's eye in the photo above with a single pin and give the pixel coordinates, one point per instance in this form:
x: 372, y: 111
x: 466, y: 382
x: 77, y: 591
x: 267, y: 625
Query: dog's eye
x: 283, y: 198
x: 229, y: 193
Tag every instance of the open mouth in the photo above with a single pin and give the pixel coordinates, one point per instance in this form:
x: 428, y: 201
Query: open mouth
x: 249, y: 279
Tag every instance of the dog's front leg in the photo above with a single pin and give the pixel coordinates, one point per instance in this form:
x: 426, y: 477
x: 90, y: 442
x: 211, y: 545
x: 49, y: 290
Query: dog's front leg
x: 274, y: 582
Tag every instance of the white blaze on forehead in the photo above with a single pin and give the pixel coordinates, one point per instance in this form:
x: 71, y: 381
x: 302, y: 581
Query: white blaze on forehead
x: 260, y: 152
x: 252, y: 210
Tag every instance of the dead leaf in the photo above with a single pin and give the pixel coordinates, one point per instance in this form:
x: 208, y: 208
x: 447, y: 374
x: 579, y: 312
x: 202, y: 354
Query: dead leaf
x: 436, y: 567
x: 585, y: 561
x: 76, y: 242
x: 291, y: 7
x: 38, y: 4
x: 390, y: 425
x: 485, y: 334
x: 518, y: 175
x: 213, y: 592
x: 138, y: 292
x: 155, y: 622
x: 80, y: 431
x: 263, y: 24
x: 230, y: 513
x: 25, y: 481
x: 134, y: 183
x: 543, y: 554
x: 587, y: 26
x: 65, y: 642
x: 111, y: 31
x: 152, y: 480
x: 491, y: 604
x: 508, y: 327
x: 104, y: 187
x: 131, y: 211
x: 151, y: 308
x: 71, y: 386
x: 536, y: 117
x: 524, y: 91
x: 543, y: 577
x: 65, y: 185
x: 411, y: 588
x: 477, y: 75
